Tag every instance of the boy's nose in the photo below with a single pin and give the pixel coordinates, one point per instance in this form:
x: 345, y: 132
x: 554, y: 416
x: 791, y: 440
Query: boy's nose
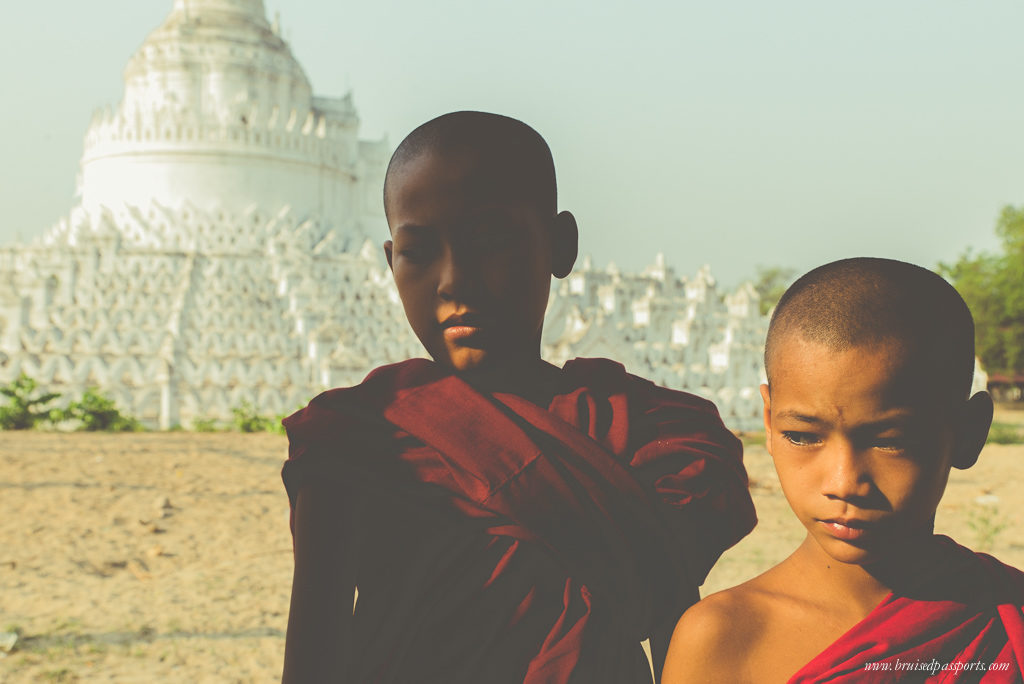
x: 846, y: 476
x: 451, y: 282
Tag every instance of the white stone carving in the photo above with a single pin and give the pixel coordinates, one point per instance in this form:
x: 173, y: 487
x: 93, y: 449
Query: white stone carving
x: 678, y: 332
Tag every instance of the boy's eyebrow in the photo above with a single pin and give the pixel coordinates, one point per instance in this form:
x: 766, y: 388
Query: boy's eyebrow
x: 412, y: 227
x: 802, y: 417
x: 897, y: 418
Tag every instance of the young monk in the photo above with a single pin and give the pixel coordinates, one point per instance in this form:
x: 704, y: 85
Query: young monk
x: 504, y: 520
x: 867, y: 407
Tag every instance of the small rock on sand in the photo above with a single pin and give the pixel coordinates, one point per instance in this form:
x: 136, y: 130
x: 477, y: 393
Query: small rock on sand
x: 163, y: 507
x: 7, y: 641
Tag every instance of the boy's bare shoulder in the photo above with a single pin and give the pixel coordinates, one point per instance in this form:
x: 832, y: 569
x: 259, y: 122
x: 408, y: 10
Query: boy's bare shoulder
x: 745, y: 634
x: 711, y: 635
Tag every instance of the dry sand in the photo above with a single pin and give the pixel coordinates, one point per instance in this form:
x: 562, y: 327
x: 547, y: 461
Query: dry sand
x: 108, y: 584
x: 165, y: 557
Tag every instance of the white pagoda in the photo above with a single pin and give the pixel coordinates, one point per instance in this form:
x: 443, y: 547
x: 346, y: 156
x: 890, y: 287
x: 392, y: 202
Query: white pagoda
x: 225, y: 248
x: 220, y: 249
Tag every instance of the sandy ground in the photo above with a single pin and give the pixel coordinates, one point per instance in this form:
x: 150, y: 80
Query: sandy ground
x: 166, y: 556
x: 143, y: 557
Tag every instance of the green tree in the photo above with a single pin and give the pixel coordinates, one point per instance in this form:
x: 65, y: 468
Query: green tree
x: 98, y: 412
x: 993, y: 286
x: 770, y: 283
x: 26, y: 405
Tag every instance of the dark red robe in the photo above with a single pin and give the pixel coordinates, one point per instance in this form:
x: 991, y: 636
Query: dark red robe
x: 964, y: 623
x: 507, y: 543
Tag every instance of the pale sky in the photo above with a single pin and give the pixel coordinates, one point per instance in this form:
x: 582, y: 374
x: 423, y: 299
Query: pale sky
x: 733, y: 133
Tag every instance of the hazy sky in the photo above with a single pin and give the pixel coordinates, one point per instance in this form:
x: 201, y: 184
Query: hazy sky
x: 733, y: 133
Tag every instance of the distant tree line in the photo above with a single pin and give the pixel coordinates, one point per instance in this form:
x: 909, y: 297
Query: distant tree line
x: 993, y: 286
x: 770, y: 282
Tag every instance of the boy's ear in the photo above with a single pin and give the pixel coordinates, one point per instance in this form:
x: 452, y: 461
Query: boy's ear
x: 388, y: 246
x: 972, y: 430
x: 766, y: 397
x: 565, y: 238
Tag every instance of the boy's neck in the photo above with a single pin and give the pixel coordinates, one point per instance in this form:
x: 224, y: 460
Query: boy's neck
x: 860, y: 588
x: 534, y: 379
x: 843, y: 586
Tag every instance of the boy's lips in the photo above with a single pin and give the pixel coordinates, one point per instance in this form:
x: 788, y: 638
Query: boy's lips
x: 847, y: 529
x: 460, y: 326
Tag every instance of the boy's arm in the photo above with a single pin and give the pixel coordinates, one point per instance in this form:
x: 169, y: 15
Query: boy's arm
x: 323, y: 587
x: 695, y: 464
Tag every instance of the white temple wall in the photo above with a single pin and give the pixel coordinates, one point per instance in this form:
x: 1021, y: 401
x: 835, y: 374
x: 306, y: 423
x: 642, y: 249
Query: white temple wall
x: 169, y: 178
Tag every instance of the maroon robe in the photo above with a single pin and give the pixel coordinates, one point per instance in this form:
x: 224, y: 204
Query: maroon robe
x: 965, y: 623
x: 501, y: 542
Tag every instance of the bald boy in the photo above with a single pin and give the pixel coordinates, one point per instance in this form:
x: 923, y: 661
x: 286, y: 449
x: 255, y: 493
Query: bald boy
x: 866, y: 410
x: 504, y: 520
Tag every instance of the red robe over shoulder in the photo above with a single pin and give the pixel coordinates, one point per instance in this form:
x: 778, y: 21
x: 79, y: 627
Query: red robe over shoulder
x: 501, y: 542
x: 965, y: 623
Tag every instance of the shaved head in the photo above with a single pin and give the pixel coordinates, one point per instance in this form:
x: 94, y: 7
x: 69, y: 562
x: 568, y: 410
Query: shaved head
x: 515, y: 155
x: 868, y: 302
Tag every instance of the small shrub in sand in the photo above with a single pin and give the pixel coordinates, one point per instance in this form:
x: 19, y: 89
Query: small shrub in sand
x: 26, y: 405
x: 277, y: 428
x: 205, y: 425
x: 1005, y: 433
x: 246, y: 419
x: 96, y: 412
x: 987, y: 524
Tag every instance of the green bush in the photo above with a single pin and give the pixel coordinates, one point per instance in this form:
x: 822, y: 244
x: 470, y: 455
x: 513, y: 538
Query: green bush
x: 1005, y: 433
x: 205, y: 425
x: 245, y: 419
x: 277, y: 428
x: 97, y: 412
x: 26, y: 406
x: 987, y: 524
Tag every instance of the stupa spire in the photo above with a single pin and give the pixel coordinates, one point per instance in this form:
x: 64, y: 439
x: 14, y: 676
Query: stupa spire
x: 253, y: 8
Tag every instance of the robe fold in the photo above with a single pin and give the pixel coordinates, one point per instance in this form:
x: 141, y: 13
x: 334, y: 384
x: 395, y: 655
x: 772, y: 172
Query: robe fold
x: 502, y: 542
x: 963, y: 623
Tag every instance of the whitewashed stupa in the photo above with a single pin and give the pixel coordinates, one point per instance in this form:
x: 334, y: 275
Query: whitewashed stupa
x: 224, y: 248
x: 217, y: 114
x: 219, y: 249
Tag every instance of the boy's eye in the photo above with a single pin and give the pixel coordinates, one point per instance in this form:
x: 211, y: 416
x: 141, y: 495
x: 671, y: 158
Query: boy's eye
x: 800, y: 438
x: 415, y: 253
x: 899, y: 443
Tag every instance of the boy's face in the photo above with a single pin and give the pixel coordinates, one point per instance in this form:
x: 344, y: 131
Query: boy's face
x: 472, y: 262
x: 863, y: 450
